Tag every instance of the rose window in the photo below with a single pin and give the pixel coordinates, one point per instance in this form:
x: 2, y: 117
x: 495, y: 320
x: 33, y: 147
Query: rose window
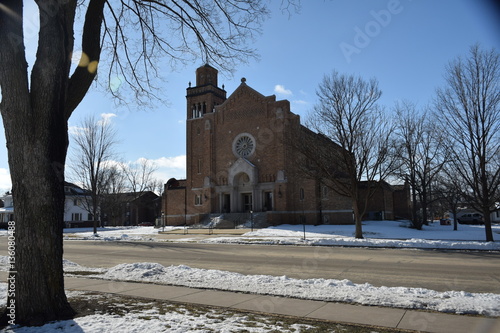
x: 244, y: 145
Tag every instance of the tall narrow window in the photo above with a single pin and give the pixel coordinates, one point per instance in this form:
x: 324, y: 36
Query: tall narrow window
x: 199, y: 166
x: 268, y: 201
x: 324, y: 192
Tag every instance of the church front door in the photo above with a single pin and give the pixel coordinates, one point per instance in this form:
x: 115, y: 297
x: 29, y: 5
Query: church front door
x: 247, y: 202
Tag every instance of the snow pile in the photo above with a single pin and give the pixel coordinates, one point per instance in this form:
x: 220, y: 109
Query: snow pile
x: 458, y: 302
x: 111, y: 234
x: 351, y: 241
x: 71, y: 267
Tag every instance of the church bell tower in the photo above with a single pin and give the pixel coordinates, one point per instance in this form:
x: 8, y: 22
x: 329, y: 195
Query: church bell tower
x: 203, y: 97
x: 200, y: 129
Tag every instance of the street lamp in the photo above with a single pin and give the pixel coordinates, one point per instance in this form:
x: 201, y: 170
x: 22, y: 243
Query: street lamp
x: 251, y: 219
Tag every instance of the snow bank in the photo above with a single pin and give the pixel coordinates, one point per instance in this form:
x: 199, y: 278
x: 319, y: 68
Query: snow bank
x: 414, y: 243
x: 458, y: 302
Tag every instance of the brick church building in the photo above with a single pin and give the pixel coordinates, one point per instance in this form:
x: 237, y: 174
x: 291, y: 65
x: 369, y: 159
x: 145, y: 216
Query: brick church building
x: 239, y: 160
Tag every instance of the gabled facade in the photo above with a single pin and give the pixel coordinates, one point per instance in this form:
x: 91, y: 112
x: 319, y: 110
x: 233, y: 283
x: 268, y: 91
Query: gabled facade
x: 77, y: 205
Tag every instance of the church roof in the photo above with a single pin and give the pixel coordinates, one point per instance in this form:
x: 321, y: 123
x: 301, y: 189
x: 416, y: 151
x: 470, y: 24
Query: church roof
x: 243, y: 88
x: 208, y: 66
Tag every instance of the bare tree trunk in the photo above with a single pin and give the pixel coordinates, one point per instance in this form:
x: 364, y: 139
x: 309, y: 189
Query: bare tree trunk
x: 39, y: 282
x: 455, y: 221
x: 36, y: 134
x: 423, y: 203
x: 414, y: 211
x: 357, y: 219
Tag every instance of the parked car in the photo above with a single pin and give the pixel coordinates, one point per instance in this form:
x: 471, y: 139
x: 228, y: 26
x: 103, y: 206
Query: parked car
x: 471, y: 218
x: 146, y: 224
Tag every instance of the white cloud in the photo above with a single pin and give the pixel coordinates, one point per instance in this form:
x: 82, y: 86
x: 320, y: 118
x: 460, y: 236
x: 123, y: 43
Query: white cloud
x: 300, y: 101
x: 75, y: 130
x: 5, y: 181
x: 168, y: 167
x: 106, y: 117
x: 280, y: 89
x: 176, y: 162
x: 171, y: 167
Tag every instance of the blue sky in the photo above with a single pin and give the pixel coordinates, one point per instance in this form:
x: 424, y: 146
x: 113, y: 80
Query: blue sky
x: 404, y: 44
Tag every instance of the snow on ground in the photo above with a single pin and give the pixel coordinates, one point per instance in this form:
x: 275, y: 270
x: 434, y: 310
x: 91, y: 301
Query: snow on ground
x: 376, y: 233
x: 394, y: 234
x: 381, y: 229
x: 145, y: 317
x: 458, y: 302
x: 155, y: 322
x: 111, y: 233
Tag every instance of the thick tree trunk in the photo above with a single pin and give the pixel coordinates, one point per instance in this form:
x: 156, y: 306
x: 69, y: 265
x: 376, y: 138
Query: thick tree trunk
x: 39, y: 282
x: 35, y: 121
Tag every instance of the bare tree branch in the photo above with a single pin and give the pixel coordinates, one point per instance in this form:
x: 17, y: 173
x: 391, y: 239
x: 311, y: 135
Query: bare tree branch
x: 469, y: 108
x: 347, y: 114
x: 94, y: 150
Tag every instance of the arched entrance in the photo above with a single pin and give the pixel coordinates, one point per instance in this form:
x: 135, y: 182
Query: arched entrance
x: 242, y: 176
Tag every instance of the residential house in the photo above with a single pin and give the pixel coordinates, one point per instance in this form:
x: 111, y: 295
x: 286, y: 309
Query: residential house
x: 76, y: 207
x: 131, y: 208
x: 7, y: 211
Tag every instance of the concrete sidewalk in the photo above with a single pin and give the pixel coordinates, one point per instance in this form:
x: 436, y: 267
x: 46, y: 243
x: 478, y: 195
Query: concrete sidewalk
x: 199, y: 234
x: 337, y: 312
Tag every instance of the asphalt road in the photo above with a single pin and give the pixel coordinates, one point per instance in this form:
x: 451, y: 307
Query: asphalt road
x: 437, y: 270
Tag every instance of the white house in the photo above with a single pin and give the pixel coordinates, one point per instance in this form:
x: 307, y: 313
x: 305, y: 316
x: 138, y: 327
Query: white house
x: 7, y: 211
x: 495, y: 215
x: 75, y: 206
